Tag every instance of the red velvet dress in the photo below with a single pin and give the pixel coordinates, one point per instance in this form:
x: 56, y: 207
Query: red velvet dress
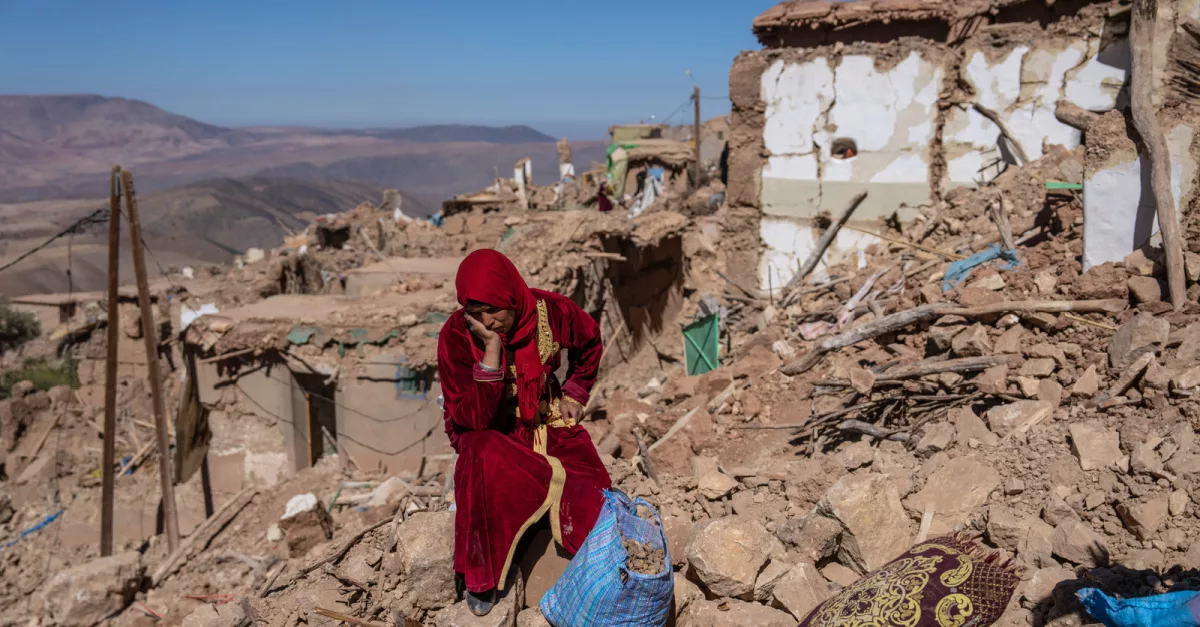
x: 508, y: 477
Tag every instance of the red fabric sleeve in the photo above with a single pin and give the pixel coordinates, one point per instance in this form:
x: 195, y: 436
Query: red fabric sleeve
x: 579, y: 333
x: 471, y: 397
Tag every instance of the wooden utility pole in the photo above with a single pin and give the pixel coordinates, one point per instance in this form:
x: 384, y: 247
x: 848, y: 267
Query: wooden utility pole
x: 150, y: 335
x: 1141, y: 41
x: 110, y: 365
x: 696, y: 135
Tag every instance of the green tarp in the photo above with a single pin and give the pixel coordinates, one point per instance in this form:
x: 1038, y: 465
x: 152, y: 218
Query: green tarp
x: 702, y: 345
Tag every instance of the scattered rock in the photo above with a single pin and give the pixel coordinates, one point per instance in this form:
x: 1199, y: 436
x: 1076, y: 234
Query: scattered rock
x: 877, y: 529
x: 972, y: 342
x: 813, y: 537
x: 991, y: 281
x: 1050, y: 391
x: 274, y: 533
x: 839, y: 574
x: 87, y: 594
x: 733, y: 613
x: 801, y: 589
x: 1088, y: 383
x: 209, y: 615
x: 994, y: 380
x: 1187, y: 379
x: 1177, y: 503
x: 1014, y: 487
x: 1146, y: 289
x: 764, y: 586
x: 1076, y: 542
x: 970, y: 426
x: 254, y: 255
x: 938, y: 437
x: 862, y: 380
x: 425, y: 554
x: 1096, y: 446
x: 1055, y: 510
x: 532, y: 617
x: 1040, y: 587
x: 1042, y: 367
x: 1019, y: 416
x: 1142, y: 334
x: 1144, y: 460
x: 1037, y: 549
x: 1144, y: 518
x: 955, y: 490
x: 305, y: 523
x: 1009, y: 342
x: 728, y: 553
x: 1006, y: 528
x: 711, y: 482
x: 679, y: 535
x: 388, y: 492
x: 1103, y: 281
x: 686, y: 592
x: 1045, y: 282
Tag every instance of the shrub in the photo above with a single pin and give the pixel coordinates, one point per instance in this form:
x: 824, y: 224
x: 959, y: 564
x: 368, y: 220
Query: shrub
x: 43, y: 373
x: 16, y: 327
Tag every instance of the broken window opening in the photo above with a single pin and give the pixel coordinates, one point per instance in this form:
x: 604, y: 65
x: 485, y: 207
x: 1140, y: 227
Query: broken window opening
x: 843, y: 148
x: 321, y: 429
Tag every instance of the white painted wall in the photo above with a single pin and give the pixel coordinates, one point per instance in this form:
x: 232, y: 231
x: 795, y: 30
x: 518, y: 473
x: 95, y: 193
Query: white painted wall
x: 1118, y: 216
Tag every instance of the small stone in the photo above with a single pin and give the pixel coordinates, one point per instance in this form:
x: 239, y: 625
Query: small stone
x: 1045, y: 281
x: 1020, y: 416
x: 1009, y: 342
x: 970, y: 426
x: 1088, y: 383
x: 1145, y: 461
x: 1040, y: 587
x: 994, y: 380
x: 1142, y: 334
x: 1177, y: 503
x: 1191, y: 266
x: 1028, y: 386
x: 1095, y: 499
x: 1014, y: 487
x: 711, y: 482
x: 801, y: 589
x: 305, y: 523
x: 1051, y: 351
x: 1138, y: 265
x: 1189, y: 344
x: 1187, y: 379
x: 1146, y: 289
x: 839, y: 574
x: 1037, y: 549
x: 1095, y: 446
x: 1007, y: 321
x: 1176, y: 539
x: 992, y: 281
x: 1076, y: 542
x: 972, y: 342
x: 813, y: 537
x: 938, y: 437
x: 1041, y: 320
x: 1055, y: 510
x: 856, y: 455
x: 862, y: 380
x: 1006, y: 528
x: 1050, y: 391
x: 1144, y: 518
x: 764, y: 586
x: 1042, y: 367
x: 274, y: 533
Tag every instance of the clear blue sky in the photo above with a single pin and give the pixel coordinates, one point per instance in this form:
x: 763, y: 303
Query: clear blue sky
x: 566, y: 67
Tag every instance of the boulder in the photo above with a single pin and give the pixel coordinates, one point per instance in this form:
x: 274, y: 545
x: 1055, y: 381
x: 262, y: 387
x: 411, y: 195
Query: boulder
x: 1146, y: 289
x: 1144, y: 518
x: 955, y: 490
x: 305, y: 524
x: 813, y: 536
x: 1095, y: 446
x: 1142, y: 334
x: 679, y: 535
x: 764, y: 586
x: 801, y: 589
x: 1006, y: 527
x: 711, y: 482
x: 1076, y: 542
x: 88, y: 594
x: 728, y: 553
x: 686, y: 592
x: 1037, y: 548
x: 733, y: 613
x: 425, y: 555
x: 1003, y: 420
x: 869, y: 508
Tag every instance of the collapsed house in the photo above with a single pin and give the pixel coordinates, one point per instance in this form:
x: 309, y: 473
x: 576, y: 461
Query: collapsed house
x: 911, y: 101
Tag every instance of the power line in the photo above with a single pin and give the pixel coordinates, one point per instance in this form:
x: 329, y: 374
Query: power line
x: 99, y: 216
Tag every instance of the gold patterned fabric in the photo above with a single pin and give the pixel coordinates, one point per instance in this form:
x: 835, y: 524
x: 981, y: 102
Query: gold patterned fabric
x: 945, y: 582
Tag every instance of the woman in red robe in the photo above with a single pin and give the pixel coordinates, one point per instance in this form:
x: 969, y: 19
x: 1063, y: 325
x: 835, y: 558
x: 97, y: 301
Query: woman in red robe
x: 521, y: 452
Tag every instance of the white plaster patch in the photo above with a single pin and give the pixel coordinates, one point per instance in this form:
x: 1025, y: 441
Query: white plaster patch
x: 789, y: 242
x: 1097, y: 84
x: 796, y: 95
x: 1117, y: 217
x: 868, y: 101
x: 967, y: 168
x: 299, y: 504
x: 997, y: 85
x: 905, y: 168
x: 791, y: 167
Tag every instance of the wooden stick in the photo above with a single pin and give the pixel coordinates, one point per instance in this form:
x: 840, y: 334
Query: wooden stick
x: 900, y: 242
x: 822, y: 245
x: 675, y: 428
x: 204, y: 534
x: 107, y: 480
x: 346, y: 619
x: 964, y: 364
x: 1012, y: 139
x: 1112, y: 305
x: 1141, y: 42
x: 335, y: 556
x: 166, y: 470
x: 1073, y: 115
x: 998, y: 211
x: 867, y: 428
x: 867, y: 331
x: 37, y: 448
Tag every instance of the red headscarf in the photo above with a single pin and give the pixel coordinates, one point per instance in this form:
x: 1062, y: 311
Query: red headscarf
x: 488, y: 277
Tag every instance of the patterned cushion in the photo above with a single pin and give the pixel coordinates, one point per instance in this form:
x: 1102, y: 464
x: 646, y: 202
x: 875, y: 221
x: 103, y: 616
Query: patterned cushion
x: 944, y: 582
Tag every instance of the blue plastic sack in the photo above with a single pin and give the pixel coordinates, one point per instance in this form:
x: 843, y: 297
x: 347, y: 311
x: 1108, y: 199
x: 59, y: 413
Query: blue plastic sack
x: 1173, y: 609
x: 597, y: 589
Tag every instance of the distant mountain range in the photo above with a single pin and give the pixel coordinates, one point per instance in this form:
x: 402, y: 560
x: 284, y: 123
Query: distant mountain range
x: 64, y: 146
x: 209, y: 192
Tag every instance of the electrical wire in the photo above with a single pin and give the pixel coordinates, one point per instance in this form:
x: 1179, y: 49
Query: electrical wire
x: 99, y: 216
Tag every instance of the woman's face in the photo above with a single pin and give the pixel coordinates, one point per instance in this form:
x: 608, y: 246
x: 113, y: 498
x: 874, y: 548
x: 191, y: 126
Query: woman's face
x: 494, y: 318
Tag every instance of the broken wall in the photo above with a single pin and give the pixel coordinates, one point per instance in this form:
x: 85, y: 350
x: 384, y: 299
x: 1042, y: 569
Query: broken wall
x: 812, y: 127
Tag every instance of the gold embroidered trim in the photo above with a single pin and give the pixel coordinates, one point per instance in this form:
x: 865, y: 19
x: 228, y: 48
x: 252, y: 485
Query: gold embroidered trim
x: 547, y: 347
x: 552, y: 503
